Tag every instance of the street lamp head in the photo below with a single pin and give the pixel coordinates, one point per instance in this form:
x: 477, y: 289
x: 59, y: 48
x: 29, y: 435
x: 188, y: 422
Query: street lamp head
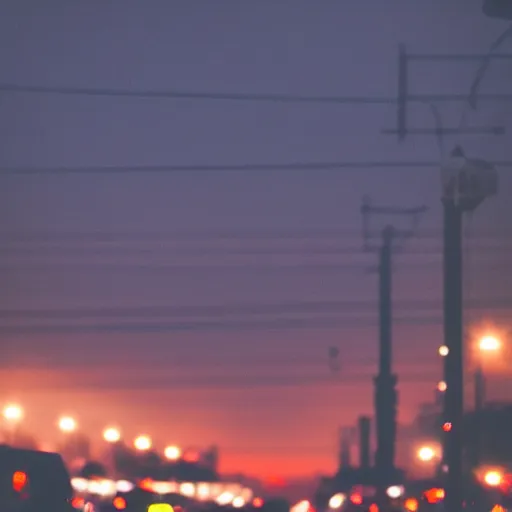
x: 172, y: 452
x: 13, y: 413
x: 426, y: 454
x: 467, y: 182
x: 493, y: 478
x: 489, y: 343
x: 112, y: 435
x: 443, y: 350
x: 142, y: 443
x: 67, y: 424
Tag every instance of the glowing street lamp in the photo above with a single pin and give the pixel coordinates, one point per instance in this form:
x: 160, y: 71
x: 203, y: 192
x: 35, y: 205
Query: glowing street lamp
x: 172, y: 452
x: 426, y: 454
x: 443, y: 351
x: 13, y: 413
x: 442, y: 386
x: 493, y: 478
x: 112, y: 435
x: 489, y: 344
x: 67, y: 424
x: 142, y: 443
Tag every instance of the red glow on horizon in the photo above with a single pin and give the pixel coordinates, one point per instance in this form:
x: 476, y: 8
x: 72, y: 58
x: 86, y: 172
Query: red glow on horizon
x: 191, y: 456
x: 275, y: 481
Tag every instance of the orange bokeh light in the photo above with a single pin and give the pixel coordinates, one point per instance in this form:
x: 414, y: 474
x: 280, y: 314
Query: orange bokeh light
x: 487, y: 345
x: 19, y: 480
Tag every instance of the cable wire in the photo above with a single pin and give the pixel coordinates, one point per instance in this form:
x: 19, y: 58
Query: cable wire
x: 219, y: 234
x: 274, y: 324
x: 234, y: 96
x: 262, y: 308
x: 262, y: 167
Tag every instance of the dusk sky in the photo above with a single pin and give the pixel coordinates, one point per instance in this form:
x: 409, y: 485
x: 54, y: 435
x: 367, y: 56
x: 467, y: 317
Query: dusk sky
x: 254, y: 274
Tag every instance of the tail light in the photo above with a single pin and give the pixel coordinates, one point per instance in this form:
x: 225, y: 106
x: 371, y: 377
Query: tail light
x: 356, y: 499
x: 119, y: 503
x: 434, y: 495
x: 78, y: 503
x: 146, y: 484
x: 411, y: 505
x: 19, y: 481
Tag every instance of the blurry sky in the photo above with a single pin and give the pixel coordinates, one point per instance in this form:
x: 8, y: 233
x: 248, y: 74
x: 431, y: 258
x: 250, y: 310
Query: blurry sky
x: 252, y: 275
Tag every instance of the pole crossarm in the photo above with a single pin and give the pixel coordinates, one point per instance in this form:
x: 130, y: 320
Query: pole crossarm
x: 404, y: 96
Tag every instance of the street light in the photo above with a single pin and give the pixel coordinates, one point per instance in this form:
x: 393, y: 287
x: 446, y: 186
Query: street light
x: 442, y: 386
x: 489, y: 343
x: 67, y: 424
x: 112, y: 435
x: 426, y: 454
x: 142, y: 443
x: 443, y: 350
x: 13, y: 413
x: 172, y: 452
x: 493, y: 478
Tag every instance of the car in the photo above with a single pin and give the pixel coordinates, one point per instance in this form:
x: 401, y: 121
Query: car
x: 33, y: 481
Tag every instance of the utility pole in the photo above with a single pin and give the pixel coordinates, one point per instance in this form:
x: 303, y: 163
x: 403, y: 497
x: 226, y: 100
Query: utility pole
x: 479, y: 389
x: 466, y: 183
x: 385, y: 382
x: 453, y: 363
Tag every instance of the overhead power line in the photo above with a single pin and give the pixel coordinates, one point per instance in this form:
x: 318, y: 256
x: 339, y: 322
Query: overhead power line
x: 265, y: 308
x: 262, y: 167
x: 124, y: 268
x: 216, y: 325
x: 289, y: 234
x: 94, y: 249
x: 234, y: 96
x: 229, y: 383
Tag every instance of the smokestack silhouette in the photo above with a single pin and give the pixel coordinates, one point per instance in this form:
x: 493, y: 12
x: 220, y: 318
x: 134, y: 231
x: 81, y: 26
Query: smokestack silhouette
x: 345, y: 442
x: 364, y: 441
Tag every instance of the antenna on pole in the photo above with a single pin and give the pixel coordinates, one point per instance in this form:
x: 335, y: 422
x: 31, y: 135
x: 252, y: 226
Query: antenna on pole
x: 403, y: 93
